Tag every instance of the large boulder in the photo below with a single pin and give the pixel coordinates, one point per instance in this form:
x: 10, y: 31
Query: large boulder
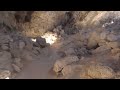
x: 42, y: 21
x: 97, y: 71
x: 60, y: 64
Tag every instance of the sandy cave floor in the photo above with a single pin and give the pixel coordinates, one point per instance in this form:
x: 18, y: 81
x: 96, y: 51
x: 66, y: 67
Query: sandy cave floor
x: 40, y: 68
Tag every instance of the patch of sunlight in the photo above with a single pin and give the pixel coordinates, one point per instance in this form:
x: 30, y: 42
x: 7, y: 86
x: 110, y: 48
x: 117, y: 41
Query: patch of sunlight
x: 50, y: 38
x: 106, y: 24
x: 7, y: 78
x: 34, y: 40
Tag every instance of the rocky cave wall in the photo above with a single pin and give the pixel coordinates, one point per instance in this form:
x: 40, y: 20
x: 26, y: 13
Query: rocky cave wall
x: 35, y: 23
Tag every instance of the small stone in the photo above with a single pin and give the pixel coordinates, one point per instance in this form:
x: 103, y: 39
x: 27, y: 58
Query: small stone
x: 28, y: 43
x: 21, y: 44
x: 17, y: 62
x: 95, y: 35
x: 56, y: 30
x: 14, y: 49
x: 62, y: 32
x: 4, y: 39
x: 35, y: 44
x: 112, y: 37
x: 61, y: 54
x: 20, y: 65
x: 82, y: 51
x: 103, y: 35
x: 92, y: 43
x: 70, y: 51
x: 11, y: 40
x: 36, y: 50
x: 5, y: 56
x: 26, y: 55
x: 16, y: 68
x: 17, y: 59
x: 41, y: 41
x: 4, y: 47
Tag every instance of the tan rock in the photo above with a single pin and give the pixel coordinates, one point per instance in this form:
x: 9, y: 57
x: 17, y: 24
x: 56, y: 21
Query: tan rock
x: 115, y: 50
x: 97, y: 71
x: 70, y: 70
x: 60, y: 64
x: 113, y: 44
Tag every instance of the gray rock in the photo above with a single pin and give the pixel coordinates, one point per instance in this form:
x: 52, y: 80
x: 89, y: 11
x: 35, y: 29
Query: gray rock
x: 61, y: 54
x: 16, y: 68
x: 41, y: 41
x: 14, y: 49
x: 5, y: 56
x: 21, y: 44
x: 4, y: 47
x: 28, y: 44
x: 17, y: 61
x: 70, y: 51
x: 104, y: 34
x: 4, y: 39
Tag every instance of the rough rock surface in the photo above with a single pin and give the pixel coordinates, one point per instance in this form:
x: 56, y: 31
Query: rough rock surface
x: 97, y: 71
x: 42, y: 22
x: 41, y: 41
x: 4, y: 74
x: 60, y: 64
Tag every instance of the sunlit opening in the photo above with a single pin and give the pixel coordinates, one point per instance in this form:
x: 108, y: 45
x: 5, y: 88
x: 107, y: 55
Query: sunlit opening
x: 50, y: 38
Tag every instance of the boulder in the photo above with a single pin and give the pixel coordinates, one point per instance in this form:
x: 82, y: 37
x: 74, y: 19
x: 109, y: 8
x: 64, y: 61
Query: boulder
x: 97, y: 71
x: 60, y: 64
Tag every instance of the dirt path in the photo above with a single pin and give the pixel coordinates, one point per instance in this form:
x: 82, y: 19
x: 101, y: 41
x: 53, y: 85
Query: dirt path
x: 40, y: 68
